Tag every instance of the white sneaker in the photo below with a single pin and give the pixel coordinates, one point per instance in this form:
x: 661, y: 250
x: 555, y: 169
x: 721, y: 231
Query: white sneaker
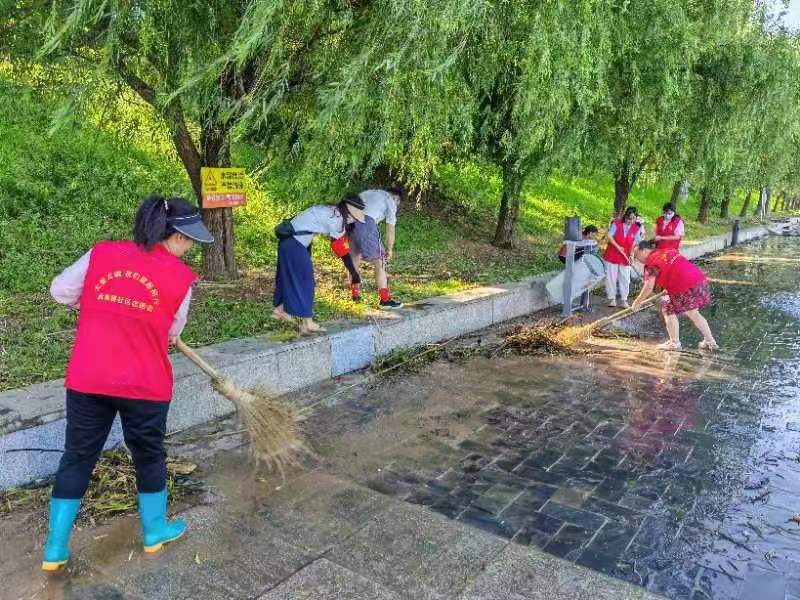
x: 669, y: 346
x: 625, y: 304
x: 612, y: 303
x: 705, y: 345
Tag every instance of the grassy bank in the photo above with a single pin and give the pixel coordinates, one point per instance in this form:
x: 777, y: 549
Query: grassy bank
x: 60, y: 193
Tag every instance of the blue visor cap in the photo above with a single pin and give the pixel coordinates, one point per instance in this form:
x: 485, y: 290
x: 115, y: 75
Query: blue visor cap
x: 192, y: 227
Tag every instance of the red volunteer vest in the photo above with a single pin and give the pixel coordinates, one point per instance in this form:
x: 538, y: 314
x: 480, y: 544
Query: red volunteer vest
x: 130, y: 297
x: 613, y: 255
x: 676, y: 273
x: 664, y: 228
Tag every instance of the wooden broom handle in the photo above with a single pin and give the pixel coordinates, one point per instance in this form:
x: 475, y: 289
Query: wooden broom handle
x: 195, y: 358
x: 625, y: 312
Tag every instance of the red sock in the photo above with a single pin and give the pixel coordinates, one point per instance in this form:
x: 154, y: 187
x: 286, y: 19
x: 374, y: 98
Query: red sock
x: 355, y: 290
x: 384, y: 294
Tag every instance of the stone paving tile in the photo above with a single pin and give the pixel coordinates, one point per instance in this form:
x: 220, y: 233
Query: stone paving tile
x: 324, y: 580
x: 488, y: 522
x: 227, y: 559
x: 575, y: 516
x: 606, y: 549
x: 316, y: 520
x: 569, y: 540
x: 520, y: 573
x: 416, y: 552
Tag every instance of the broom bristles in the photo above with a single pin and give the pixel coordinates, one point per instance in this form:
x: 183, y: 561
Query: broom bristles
x: 571, y: 336
x: 273, y: 426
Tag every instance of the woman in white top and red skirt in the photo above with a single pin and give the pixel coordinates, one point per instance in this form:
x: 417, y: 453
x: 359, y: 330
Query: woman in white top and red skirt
x: 133, y: 298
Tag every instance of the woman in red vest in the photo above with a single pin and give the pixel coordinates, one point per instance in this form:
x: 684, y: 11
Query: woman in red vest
x: 623, y: 235
x: 687, y: 292
x: 133, y: 298
x: 669, y: 228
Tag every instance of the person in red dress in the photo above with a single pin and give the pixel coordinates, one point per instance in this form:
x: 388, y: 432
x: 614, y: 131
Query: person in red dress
x: 133, y: 297
x: 687, y: 292
x: 669, y: 228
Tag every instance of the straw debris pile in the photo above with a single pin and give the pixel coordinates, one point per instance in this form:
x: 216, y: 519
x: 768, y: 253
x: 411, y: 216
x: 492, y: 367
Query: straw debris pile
x: 537, y: 339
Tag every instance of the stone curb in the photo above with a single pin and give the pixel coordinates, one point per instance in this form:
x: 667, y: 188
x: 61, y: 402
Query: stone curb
x: 33, y: 417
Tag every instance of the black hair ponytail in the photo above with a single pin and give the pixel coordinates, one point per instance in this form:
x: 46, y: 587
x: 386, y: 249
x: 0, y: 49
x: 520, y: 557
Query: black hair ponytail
x: 151, y: 225
x: 344, y: 210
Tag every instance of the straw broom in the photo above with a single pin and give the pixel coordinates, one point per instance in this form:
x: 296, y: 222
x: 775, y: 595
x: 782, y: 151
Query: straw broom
x: 272, y: 425
x: 570, y: 336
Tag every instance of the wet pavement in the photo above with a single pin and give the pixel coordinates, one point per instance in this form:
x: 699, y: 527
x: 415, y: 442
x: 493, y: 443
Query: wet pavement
x: 511, y: 477
x: 679, y: 472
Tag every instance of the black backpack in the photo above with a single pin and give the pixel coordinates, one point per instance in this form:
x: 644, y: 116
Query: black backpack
x: 285, y: 229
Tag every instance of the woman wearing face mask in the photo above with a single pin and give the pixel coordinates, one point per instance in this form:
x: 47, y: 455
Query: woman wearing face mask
x: 294, y: 276
x: 133, y: 298
x: 669, y: 228
x: 623, y: 235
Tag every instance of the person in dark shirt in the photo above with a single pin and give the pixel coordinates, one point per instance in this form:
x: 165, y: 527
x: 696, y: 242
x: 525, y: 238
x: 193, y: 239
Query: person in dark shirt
x: 589, y: 233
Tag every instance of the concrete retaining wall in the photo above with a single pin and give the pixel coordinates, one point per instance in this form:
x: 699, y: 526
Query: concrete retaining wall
x: 33, y: 417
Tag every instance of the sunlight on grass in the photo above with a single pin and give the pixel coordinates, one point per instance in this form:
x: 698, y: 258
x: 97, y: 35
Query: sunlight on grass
x: 67, y: 191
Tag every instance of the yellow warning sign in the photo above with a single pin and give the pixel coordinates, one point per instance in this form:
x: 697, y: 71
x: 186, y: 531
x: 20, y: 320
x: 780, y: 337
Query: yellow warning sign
x: 223, y: 187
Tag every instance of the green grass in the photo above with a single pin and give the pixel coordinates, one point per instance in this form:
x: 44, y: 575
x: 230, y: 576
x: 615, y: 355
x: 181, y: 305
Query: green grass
x: 61, y: 193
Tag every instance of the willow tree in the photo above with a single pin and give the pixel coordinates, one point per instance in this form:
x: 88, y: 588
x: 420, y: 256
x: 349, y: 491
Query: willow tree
x: 719, y: 102
x: 656, y: 45
x: 373, y: 88
x: 534, y: 72
x: 411, y: 84
x: 154, y: 49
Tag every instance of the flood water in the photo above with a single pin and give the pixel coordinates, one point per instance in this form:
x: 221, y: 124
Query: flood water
x: 679, y: 472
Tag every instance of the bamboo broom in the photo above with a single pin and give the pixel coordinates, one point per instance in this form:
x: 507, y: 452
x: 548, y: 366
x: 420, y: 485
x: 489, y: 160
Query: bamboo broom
x: 272, y: 425
x: 570, y: 336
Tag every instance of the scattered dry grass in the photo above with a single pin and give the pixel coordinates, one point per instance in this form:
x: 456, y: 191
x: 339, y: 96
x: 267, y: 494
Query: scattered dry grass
x: 112, y: 489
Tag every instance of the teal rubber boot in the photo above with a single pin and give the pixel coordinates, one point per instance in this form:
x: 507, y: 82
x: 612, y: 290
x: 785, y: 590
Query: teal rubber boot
x: 62, y: 518
x: 156, y: 530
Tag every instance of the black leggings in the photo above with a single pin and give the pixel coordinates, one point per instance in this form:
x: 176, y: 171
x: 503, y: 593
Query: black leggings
x: 89, y: 420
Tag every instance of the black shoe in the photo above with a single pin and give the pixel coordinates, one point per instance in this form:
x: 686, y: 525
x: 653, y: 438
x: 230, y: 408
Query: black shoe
x: 391, y: 304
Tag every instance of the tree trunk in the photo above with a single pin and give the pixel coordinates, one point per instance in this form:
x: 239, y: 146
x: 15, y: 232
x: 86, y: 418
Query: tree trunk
x: 705, y: 203
x: 726, y: 202
x: 219, y: 261
x: 676, y: 192
x: 622, y: 188
x: 777, y: 200
x: 219, y: 258
x: 767, y: 200
x: 760, y: 203
x: 746, y: 205
x: 783, y: 200
x: 509, y: 208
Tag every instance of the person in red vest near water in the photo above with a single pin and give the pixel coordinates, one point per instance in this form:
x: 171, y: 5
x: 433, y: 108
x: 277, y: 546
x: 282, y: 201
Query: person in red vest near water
x: 133, y: 298
x: 687, y: 292
x: 623, y: 235
x: 669, y: 228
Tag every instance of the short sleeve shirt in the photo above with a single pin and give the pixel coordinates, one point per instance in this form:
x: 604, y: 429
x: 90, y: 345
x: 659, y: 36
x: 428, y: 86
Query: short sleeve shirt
x: 612, y: 231
x: 379, y: 205
x: 320, y: 219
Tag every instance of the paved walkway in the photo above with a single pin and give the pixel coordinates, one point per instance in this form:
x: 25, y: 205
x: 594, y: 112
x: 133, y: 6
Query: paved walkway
x: 318, y: 537
x: 512, y: 478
